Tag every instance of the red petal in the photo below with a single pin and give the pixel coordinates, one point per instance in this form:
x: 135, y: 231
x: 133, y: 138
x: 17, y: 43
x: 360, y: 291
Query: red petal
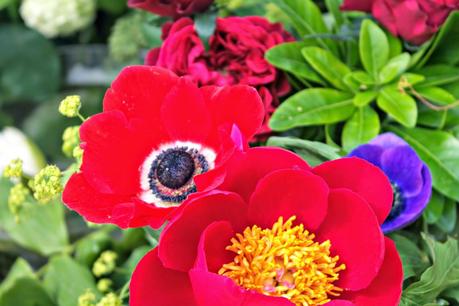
x: 179, y: 240
x: 245, y: 169
x: 362, y: 177
x: 211, y: 289
x: 153, y: 284
x: 340, y: 303
x: 184, y: 113
x: 355, y: 236
x: 287, y: 193
x: 386, y: 289
x: 139, y: 91
x: 114, y: 151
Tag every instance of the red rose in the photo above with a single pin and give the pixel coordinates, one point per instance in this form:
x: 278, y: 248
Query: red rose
x: 156, y: 133
x: 236, y: 56
x: 174, y: 8
x: 414, y: 20
x: 276, y: 232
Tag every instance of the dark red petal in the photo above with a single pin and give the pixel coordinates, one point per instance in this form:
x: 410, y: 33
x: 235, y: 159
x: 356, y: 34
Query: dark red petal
x: 386, y: 288
x: 211, y: 289
x: 361, y: 177
x: 184, y: 113
x: 114, y: 151
x: 96, y: 207
x: 153, y: 284
x: 179, y: 240
x: 355, y: 236
x: 139, y: 91
x: 245, y: 169
x: 289, y: 193
x: 240, y: 105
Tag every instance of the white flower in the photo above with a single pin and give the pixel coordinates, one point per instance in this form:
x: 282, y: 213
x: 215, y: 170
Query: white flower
x: 15, y: 145
x: 58, y: 17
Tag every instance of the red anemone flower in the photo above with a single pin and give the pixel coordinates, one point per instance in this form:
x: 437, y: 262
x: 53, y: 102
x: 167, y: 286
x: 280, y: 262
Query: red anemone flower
x: 276, y: 232
x: 156, y: 133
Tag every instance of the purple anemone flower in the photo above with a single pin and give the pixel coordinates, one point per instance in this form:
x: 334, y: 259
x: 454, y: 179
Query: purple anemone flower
x: 410, y: 177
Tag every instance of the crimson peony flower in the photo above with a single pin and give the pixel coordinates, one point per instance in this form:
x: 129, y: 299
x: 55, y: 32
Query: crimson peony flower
x: 156, y: 133
x: 173, y: 8
x: 236, y: 56
x: 414, y: 20
x: 276, y: 232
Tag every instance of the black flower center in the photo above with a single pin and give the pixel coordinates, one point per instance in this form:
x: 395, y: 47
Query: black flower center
x: 175, y: 169
x: 398, y: 204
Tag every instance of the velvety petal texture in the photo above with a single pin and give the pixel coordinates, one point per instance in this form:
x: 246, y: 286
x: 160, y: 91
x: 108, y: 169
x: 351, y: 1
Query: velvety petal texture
x: 259, y: 187
x: 410, y: 177
x: 152, y: 122
x: 173, y: 8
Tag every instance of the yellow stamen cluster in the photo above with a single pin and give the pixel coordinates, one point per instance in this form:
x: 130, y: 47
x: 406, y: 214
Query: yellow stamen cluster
x: 70, y: 106
x: 284, y: 261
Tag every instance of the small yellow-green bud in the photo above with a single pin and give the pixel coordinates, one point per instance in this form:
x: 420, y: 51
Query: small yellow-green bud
x: 17, y: 197
x: 104, y: 285
x: 71, y: 140
x: 70, y: 106
x: 105, y: 264
x: 47, y: 184
x: 110, y: 299
x: 87, y: 299
x: 13, y: 169
x: 77, y: 153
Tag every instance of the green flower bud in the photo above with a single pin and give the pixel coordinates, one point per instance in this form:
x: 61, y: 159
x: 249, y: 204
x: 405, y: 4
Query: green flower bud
x: 47, y: 184
x: 87, y: 299
x: 104, y: 285
x: 17, y: 197
x: 105, y: 264
x: 70, y: 106
x: 110, y: 299
x: 13, y: 169
x: 71, y: 140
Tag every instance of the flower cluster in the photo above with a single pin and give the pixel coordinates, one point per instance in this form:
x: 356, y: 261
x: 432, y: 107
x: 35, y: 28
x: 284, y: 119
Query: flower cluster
x: 235, y: 56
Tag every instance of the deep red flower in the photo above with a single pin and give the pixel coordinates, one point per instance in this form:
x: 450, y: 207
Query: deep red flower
x: 156, y: 133
x: 236, y: 56
x: 173, y: 8
x: 276, y: 228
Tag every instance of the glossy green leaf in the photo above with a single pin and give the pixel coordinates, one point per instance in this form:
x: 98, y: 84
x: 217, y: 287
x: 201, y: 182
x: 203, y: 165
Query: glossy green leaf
x: 313, y: 107
x: 440, y: 150
x: 362, y: 127
x: 395, y: 45
x: 364, y: 98
x: 446, y: 43
x: 363, y: 78
x: 413, y: 78
x: 374, y: 47
x: 438, y: 75
x: 398, y: 105
x: 327, y: 65
x: 288, y: 57
x: 333, y: 7
x: 65, y: 280
x: 413, y: 259
x: 395, y: 67
x: 436, y: 95
x: 26, y: 292
x: 88, y: 249
x: 434, y: 209
x: 448, y: 219
x: 313, y: 152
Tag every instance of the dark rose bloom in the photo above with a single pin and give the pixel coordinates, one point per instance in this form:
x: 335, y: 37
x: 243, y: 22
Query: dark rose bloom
x: 236, y: 56
x: 174, y: 8
x: 414, y: 20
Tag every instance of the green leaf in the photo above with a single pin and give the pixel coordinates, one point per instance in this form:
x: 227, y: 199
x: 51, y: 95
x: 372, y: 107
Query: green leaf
x: 413, y: 78
x: 313, y: 152
x: 448, y: 219
x: 400, y: 106
x: 440, y: 150
x: 41, y: 228
x: 436, y: 95
x: 205, y: 24
x: 135, y: 257
x: 395, y: 67
x: 288, y: 57
x: 65, y: 280
x: 20, y: 269
x: 22, y: 76
x: 362, y: 127
x: 153, y: 235
x: 364, y: 98
x: 446, y: 43
x: 395, y: 45
x: 313, y: 107
x: 88, y: 249
x: 327, y: 65
x: 442, y: 275
x: 26, y: 292
x: 414, y: 261
x: 438, y: 75
x: 363, y: 78
x: 333, y: 6
x: 5, y: 3
x: 434, y: 209
x: 374, y: 47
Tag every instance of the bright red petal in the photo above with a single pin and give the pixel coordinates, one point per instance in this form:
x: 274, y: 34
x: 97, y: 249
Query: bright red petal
x: 139, y: 91
x: 386, y: 289
x: 340, y: 303
x: 211, y: 289
x: 289, y: 193
x: 184, y: 113
x: 361, y: 177
x: 179, y: 240
x: 355, y: 236
x: 245, y: 169
x: 153, y: 284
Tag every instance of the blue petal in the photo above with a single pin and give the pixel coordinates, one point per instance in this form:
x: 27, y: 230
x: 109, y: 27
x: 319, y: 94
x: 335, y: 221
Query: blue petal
x: 370, y: 153
x: 388, y: 140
